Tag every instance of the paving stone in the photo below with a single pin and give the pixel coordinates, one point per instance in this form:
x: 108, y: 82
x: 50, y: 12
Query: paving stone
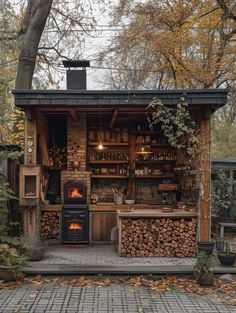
x: 106, y: 299
x: 227, y: 278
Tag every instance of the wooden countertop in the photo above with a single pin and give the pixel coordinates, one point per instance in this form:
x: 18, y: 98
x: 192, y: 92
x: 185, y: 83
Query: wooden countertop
x: 177, y: 213
x: 140, y: 210
x: 51, y: 207
x: 112, y: 207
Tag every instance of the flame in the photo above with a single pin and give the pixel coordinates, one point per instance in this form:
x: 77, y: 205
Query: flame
x: 74, y: 193
x: 75, y: 226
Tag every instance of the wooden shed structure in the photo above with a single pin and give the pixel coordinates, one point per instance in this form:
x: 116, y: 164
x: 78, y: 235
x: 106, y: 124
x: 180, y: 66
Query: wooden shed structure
x: 72, y: 190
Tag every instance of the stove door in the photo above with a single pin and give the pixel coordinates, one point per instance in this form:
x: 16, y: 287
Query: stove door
x: 75, y: 228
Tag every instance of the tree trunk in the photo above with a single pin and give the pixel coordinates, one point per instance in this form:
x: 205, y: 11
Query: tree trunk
x: 29, y: 37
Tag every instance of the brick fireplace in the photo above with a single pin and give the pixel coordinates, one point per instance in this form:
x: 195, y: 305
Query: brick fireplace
x: 76, y: 152
x: 75, y: 221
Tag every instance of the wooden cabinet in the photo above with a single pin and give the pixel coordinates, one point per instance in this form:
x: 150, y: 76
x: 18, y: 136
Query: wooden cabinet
x: 29, y: 185
x: 101, y: 224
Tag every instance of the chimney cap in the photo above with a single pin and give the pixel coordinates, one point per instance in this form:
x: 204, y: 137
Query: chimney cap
x: 76, y: 63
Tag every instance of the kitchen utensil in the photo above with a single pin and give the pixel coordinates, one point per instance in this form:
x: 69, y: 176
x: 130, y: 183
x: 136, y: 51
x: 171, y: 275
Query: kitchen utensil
x: 129, y: 201
x: 167, y: 210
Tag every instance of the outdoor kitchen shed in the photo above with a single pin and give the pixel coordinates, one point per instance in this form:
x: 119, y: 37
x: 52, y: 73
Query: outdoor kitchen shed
x: 82, y: 147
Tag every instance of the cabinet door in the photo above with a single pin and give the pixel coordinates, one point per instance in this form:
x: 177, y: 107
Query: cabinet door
x: 101, y: 224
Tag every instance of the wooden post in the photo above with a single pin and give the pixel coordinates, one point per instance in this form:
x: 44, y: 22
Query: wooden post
x: 32, y: 226
x: 205, y: 166
x: 31, y: 213
x: 132, y: 147
x: 43, y: 137
x: 30, y: 138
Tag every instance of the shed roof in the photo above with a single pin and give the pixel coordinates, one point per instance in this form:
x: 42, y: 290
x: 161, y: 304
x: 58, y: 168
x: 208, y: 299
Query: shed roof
x: 10, y: 147
x: 212, y: 98
x: 223, y: 160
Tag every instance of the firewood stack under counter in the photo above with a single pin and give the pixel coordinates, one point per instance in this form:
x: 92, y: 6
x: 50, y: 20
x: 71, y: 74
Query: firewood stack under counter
x: 157, y: 232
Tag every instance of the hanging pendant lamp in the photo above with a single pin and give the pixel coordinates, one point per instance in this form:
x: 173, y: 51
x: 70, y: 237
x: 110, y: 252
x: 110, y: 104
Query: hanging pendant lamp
x: 144, y: 149
x: 100, y: 145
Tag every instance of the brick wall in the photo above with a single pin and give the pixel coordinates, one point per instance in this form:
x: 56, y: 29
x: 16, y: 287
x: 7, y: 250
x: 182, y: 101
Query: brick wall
x: 76, y: 141
x: 102, y: 188
x: 147, y: 191
x: 76, y: 151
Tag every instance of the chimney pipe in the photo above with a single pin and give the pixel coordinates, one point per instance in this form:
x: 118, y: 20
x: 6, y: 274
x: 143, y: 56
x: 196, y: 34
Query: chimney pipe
x: 76, y: 79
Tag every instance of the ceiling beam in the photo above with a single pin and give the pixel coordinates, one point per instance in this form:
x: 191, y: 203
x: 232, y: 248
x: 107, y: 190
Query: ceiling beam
x: 113, y: 118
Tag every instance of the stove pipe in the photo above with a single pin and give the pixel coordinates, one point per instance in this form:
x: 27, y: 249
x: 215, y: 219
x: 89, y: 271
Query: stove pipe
x: 76, y: 79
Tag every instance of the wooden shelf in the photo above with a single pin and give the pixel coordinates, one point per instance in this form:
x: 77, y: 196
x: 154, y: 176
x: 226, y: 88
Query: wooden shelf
x: 150, y: 176
x: 191, y: 172
x: 168, y: 187
x: 146, y: 132
x: 160, y: 145
x: 110, y: 144
x: 109, y: 162
x: 51, y: 207
x: 155, y: 162
x: 110, y: 176
x: 51, y: 168
x: 177, y: 213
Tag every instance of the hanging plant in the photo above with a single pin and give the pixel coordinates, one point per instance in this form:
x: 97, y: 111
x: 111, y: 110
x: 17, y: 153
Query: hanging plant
x: 177, y: 125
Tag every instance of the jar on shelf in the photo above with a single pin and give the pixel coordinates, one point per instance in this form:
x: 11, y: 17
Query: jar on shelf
x: 118, y: 135
x: 92, y: 136
x: 101, y: 136
x: 147, y: 139
x: 125, y: 135
x: 107, y: 136
x: 113, y: 137
x: 118, y: 199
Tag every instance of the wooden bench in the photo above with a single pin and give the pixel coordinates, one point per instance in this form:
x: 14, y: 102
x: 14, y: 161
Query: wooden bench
x: 222, y: 227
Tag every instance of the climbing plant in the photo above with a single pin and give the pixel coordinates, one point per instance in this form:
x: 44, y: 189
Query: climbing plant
x: 176, y: 124
x: 223, y: 206
x: 6, y: 194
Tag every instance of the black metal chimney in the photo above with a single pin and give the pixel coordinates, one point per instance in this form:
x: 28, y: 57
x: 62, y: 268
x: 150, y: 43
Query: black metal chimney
x: 76, y: 79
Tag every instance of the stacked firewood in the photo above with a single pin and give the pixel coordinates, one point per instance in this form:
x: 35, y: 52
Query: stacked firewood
x: 57, y: 156
x: 177, y: 237
x: 49, y: 225
x: 158, y: 237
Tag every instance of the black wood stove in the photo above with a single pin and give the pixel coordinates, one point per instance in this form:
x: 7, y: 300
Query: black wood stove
x: 75, y: 220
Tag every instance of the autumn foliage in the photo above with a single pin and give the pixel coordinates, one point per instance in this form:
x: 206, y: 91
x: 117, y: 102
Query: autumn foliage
x: 174, y: 43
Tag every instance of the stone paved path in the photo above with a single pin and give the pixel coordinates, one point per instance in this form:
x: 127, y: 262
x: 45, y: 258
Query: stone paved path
x: 103, y: 255
x: 50, y: 298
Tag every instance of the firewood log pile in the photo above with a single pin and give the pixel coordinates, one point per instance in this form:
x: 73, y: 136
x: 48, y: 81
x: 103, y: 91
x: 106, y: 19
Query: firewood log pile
x: 158, y: 237
x: 49, y: 225
x: 58, y: 156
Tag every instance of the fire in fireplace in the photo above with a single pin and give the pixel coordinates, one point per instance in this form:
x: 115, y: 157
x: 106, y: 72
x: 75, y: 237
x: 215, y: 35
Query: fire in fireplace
x: 75, y: 221
x: 75, y: 226
x: 75, y: 193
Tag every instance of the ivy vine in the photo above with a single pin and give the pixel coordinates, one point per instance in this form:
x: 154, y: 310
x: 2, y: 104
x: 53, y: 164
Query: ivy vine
x: 176, y: 124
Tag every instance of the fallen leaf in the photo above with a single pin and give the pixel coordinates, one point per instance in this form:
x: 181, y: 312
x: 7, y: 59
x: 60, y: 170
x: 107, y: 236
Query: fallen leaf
x: 32, y: 296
